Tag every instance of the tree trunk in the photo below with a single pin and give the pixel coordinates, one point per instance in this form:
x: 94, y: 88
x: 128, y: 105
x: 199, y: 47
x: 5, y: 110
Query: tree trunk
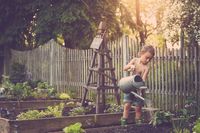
x: 139, y: 23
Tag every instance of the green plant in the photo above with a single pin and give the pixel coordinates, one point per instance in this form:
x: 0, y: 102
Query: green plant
x: 17, y: 91
x: 191, y: 106
x: 73, y: 92
x: 114, y: 108
x: 64, y: 96
x: 30, y: 115
x: 93, y: 96
x: 190, y: 109
x: 196, y: 128
x: 7, y: 85
x: 78, y: 111
x: 110, y: 99
x: 51, y: 111
x: 33, y: 83
x: 75, y: 128
x: 161, y: 117
x: 180, y: 125
x: 179, y: 130
x: 21, y: 91
x: 44, y: 90
x: 182, y: 118
x: 56, y: 111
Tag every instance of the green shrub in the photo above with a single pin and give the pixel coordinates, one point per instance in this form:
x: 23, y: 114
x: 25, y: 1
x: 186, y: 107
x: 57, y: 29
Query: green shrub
x: 44, y: 90
x: 196, y: 128
x: 18, y: 73
x: 16, y: 91
x: 161, y: 117
x: 7, y: 85
x: 75, y: 128
x: 180, y: 125
x: 33, y: 83
x: 21, y: 91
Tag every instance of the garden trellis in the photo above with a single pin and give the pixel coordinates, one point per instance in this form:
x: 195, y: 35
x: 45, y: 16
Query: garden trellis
x: 174, y: 75
x: 102, y: 67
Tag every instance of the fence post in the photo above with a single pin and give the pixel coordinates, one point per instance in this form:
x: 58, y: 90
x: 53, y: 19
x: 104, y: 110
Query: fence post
x: 125, y: 53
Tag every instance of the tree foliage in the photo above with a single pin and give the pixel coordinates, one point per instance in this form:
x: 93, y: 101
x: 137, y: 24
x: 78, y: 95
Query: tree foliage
x: 26, y: 24
x: 151, y: 16
x: 184, y: 14
x: 163, y: 20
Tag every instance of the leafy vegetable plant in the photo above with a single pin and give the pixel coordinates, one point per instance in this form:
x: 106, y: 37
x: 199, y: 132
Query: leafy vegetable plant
x: 75, y: 128
x: 55, y: 111
x: 77, y: 111
x: 64, y: 96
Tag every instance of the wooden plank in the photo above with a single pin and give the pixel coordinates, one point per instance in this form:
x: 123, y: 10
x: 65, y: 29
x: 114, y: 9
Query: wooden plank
x: 170, y: 91
x: 184, y: 77
x: 162, y: 61
x: 173, y: 79
x: 188, y: 81
x: 156, y: 75
x: 177, y: 77
x: 159, y: 71
x: 10, y: 105
x: 195, y: 60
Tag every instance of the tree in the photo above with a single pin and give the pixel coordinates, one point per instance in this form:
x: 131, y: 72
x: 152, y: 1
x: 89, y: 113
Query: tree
x: 26, y: 24
x: 148, y: 16
x: 184, y: 15
x: 15, y: 21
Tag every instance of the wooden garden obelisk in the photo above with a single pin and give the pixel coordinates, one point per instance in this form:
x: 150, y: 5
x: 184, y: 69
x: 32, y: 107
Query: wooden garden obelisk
x: 99, y: 66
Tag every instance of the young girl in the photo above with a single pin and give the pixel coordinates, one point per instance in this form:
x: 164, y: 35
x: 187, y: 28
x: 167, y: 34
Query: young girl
x: 137, y: 66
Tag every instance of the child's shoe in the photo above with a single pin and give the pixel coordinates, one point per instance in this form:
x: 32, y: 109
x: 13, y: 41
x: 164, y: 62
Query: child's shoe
x: 123, y: 121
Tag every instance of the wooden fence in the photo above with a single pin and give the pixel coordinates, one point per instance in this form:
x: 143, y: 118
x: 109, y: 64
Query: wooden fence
x: 174, y: 74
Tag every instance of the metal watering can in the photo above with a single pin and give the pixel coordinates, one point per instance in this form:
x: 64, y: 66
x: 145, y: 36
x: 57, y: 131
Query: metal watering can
x: 131, y: 83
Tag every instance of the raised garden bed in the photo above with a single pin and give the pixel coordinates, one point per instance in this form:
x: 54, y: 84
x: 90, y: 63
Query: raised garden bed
x: 57, y: 124
x: 9, y: 109
x: 33, y: 104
